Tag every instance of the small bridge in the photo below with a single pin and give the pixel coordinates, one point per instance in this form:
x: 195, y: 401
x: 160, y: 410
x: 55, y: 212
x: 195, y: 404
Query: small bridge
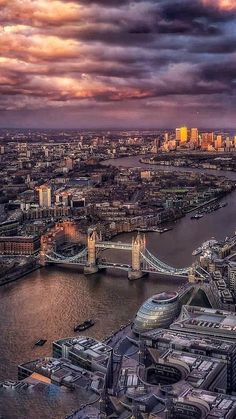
x: 142, y: 260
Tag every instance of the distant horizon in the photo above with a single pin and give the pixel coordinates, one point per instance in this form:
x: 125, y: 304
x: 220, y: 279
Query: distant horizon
x: 114, y: 129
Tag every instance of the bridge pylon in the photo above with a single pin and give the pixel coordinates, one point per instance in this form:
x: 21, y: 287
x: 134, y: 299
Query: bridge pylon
x: 138, y: 246
x: 192, y: 275
x: 45, y: 247
x: 91, y: 267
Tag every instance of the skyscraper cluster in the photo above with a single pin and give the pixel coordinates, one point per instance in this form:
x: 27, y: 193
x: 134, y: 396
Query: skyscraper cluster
x: 194, y: 139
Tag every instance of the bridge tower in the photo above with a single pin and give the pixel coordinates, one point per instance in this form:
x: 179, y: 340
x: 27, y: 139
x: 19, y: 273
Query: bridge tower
x: 138, y: 246
x: 42, y: 256
x: 192, y: 275
x: 91, y: 267
x: 46, y: 246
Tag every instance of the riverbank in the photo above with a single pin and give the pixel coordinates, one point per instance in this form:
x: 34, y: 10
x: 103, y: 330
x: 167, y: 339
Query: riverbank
x: 152, y: 162
x: 211, y: 201
x: 16, y: 276
x: 199, y: 201
x: 134, y: 162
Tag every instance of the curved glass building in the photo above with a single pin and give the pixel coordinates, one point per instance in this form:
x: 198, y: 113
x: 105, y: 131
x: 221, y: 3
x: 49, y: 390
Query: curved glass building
x: 158, y: 311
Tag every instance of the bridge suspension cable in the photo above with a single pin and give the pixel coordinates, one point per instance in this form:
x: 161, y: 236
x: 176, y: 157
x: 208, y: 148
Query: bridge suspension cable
x: 161, y: 266
x: 54, y: 256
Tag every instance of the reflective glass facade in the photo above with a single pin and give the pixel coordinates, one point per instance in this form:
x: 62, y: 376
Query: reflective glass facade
x: 158, y: 311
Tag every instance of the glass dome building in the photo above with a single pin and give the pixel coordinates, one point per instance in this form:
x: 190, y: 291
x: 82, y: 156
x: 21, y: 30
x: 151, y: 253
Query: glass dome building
x: 158, y: 311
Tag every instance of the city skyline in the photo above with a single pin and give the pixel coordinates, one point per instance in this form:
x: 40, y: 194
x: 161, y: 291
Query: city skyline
x: 110, y: 64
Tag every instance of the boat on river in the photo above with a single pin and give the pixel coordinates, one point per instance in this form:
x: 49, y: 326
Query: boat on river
x: 84, y: 326
x: 196, y: 216
x: 40, y: 342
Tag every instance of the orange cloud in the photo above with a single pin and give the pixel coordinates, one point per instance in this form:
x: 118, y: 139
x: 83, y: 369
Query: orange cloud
x: 24, y: 44
x: 38, y: 12
x: 221, y: 4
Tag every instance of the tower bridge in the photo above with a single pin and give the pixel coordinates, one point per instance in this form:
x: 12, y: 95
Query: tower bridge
x: 142, y: 260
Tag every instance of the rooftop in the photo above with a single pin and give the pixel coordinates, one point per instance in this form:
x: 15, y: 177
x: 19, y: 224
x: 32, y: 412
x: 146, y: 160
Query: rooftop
x: 186, y: 340
x: 35, y: 398
x: 165, y: 297
x: 90, y: 347
x: 205, y: 320
x: 63, y: 372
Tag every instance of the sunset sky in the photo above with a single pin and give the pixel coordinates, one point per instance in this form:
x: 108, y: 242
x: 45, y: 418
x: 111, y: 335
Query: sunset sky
x: 117, y: 63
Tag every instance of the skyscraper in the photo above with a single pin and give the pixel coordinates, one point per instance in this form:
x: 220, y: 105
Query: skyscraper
x: 207, y: 142
x: 181, y: 134
x: 218, y: 142
x: 194, y: 135
x: 177, y: 134
x: 45, y: 199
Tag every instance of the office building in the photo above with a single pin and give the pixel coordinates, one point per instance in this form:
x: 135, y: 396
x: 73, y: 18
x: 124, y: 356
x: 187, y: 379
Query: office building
x: 45, y: 199
x: 218, y: 142
x: 62, y: 373
x: 202, y: 404
x: 211, y: 347
x: 194, y: 136
x: 85, y: 352
x: 19, y: 245
x: 158, y: 311
x: 175, y: 366
x: 232, y: 276
x: 177, y: 134
x: 182, y: 135
x: 206, y: 321
x: 207, y: 141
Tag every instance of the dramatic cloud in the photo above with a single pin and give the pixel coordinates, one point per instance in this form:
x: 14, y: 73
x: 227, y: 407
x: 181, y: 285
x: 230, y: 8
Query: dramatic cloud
x: 227, y: 5
x: 117, y: 62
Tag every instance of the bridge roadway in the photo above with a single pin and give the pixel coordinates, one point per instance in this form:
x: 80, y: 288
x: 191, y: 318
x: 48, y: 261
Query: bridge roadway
x: 150, y: 270
x: 113, y: 265
x: 114, y: 245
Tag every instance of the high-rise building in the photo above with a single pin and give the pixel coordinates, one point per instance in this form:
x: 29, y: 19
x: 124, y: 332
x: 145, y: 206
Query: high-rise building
x: 177, y: 134
x: 207, y: 140
x: 194, y: 135
x: 218, y: 142
x: 181, y: 134
x: 227, y: 144
x: 45, y: 199
x: 210, y: 136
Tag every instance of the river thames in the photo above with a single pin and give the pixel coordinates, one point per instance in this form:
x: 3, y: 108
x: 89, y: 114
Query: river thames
x: 49, y: 302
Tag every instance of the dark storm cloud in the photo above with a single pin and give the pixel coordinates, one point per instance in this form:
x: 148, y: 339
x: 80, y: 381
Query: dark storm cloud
x: 190, y: 11
x: 121, y: 58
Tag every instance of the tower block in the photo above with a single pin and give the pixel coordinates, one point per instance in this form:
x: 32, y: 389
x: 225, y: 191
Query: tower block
x: 138, y: 245
x: 91, y: 267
